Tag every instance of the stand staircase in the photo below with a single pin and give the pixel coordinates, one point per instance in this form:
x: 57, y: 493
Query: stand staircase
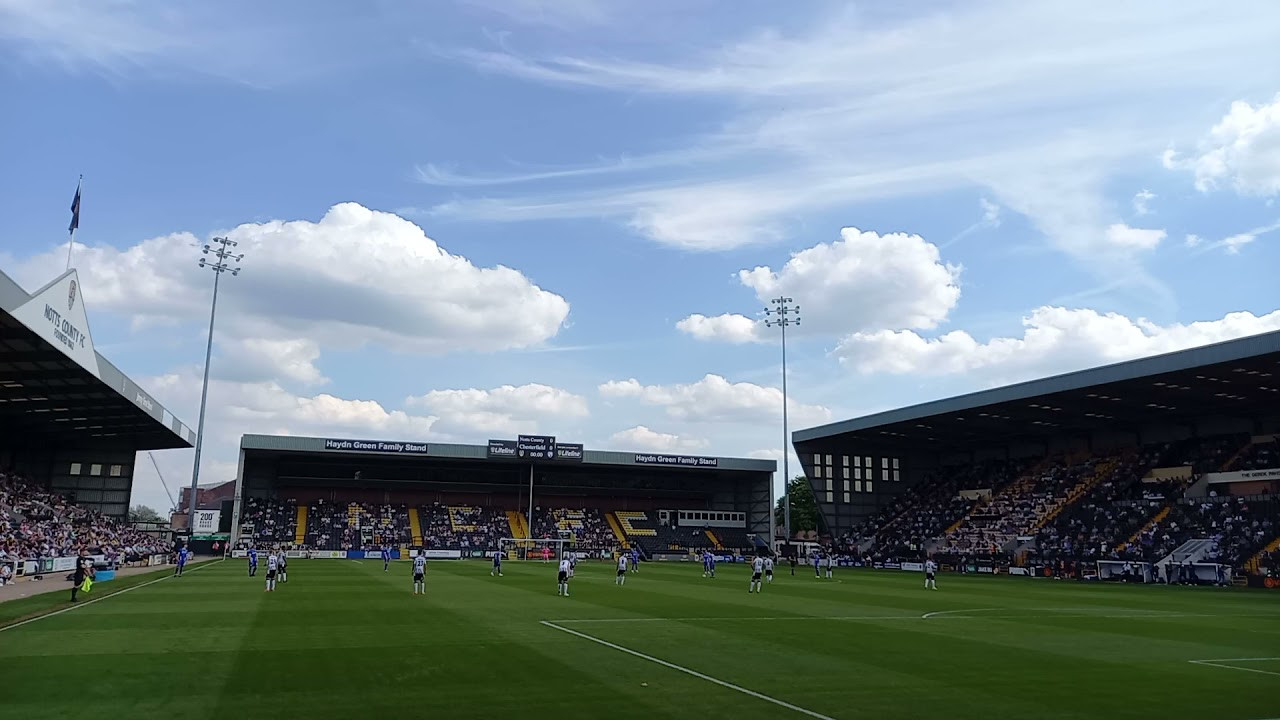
x: 415, y: 526
x: 300, y: 534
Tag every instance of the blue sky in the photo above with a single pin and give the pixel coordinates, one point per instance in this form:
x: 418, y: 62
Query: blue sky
x: 469, y: 219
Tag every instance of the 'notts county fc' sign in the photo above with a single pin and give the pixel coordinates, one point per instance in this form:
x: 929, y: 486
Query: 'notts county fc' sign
x: 406, y: 448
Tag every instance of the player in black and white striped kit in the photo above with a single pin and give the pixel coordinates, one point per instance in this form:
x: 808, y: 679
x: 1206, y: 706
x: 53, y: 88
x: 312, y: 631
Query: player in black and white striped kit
x: 562, y: 575
x: 273, y: 566
x: 757, y: 567
x: 621, y: 578
x: 420, y: 574
x: 930, y: 569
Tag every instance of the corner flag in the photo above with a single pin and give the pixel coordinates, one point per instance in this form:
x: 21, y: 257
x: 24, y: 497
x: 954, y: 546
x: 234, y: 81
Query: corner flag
x: 75, y: 210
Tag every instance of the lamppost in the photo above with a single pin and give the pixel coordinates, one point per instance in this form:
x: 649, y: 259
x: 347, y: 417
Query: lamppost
x: 783, y: 314
x: 223, y: 260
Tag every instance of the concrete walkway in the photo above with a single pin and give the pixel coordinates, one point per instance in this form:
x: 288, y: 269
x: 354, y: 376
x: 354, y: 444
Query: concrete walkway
x: 53, y: 582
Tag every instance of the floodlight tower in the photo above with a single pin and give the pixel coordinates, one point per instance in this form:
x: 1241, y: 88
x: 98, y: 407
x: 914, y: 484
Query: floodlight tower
x: 224, y: 260
x: 783, y: 313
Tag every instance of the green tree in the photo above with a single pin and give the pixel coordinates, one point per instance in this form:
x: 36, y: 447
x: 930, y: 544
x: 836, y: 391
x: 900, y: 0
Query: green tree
x: 804, y: 510
x: 142, y: 513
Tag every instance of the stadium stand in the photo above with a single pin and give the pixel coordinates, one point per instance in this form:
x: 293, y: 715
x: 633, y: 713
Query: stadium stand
x: 462, y: 527
x: 37, y: 524
x: 586, y: 527
x: 274, y: 521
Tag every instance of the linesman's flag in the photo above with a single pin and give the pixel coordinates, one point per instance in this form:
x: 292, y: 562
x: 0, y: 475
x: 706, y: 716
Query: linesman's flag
x: 75, y: 211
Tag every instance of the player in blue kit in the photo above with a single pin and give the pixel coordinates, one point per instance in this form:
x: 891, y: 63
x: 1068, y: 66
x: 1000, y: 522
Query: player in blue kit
x: 386, y: 558
x: 497, y: 564
x: 708, y: 565
x: 183, y: 556
x: 635, y: 560
x: 253, y: 562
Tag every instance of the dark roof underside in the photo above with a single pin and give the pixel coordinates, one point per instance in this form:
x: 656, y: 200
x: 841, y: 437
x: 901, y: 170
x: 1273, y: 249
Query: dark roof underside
x: 1236, y: 379
x: 45, y: 395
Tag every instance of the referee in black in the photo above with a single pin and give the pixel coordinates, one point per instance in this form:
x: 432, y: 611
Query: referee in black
x: 82, y: 571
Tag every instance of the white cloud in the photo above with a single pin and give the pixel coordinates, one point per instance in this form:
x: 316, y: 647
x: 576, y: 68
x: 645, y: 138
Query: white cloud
x: 1241, y: 150
x: 507, y: 409
x: 1055, y: 339
x: 730, y: 328
x: 947, y: 107
x: 357, y: 276
x: 1142, y: 201
x: 1125, y: 237
x: 1192, y: 240
x: 862, y: 281
x: 256, y: 359
x: 713, y: 399
x: 642, y: 438
x: 1233, y: 243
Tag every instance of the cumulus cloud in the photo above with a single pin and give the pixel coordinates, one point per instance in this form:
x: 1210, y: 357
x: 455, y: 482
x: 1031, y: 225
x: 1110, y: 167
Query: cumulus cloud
x: 863, y: 281
x: 732, y: 328
x: 1055, y: 339
x: 643, y: 438
x: 357, y: 276
x: 1125, y: 237
x: 507, y: 409
x: 1192, y: 240
x: 713, y: 399
x: 258, y: 359
x: 1242, y: 150
x: 1142, y: 201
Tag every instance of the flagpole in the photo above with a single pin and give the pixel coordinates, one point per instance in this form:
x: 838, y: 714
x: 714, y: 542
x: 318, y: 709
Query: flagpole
x: 75, y: 221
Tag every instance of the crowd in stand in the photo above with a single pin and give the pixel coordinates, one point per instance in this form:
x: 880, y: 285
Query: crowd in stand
x: 35, y: 523
x: 587, y: 527
x: 1103, y: 503
x: 1259, y: 456
x: 1238, y: 527
x: 354, y: 525
x: 991, y: 525
x: 274, y: 521
x: 458, y: 527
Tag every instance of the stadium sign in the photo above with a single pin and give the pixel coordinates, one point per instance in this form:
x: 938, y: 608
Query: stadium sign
x: 406, y: 448
x: 569, y: 451
x: 56, y: 313
x: 682, y: 460
x: 207, y: 521
x: 535, y: 447
x: 1242, y: 475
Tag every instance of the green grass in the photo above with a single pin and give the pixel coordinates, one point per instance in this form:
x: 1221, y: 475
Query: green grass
x: 344, y: 640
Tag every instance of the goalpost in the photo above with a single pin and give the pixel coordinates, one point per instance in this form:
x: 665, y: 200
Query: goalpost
x: 532, y: 548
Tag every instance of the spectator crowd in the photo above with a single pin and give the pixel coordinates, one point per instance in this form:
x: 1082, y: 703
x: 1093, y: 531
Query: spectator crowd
x: 35, y: 523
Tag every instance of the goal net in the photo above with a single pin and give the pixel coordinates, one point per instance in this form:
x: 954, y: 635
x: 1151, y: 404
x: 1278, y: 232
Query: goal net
x: 533, y: 548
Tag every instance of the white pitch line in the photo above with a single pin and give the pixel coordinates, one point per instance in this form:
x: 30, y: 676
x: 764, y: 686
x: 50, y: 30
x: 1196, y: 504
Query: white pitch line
x: 753, y: 619
x: 104, y: 597
x: 687, y: 671
x: 1220, y: 663
x: 940, y: 613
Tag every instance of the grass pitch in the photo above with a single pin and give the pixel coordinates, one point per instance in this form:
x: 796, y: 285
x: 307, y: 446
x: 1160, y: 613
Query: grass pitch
x: 345, y: 640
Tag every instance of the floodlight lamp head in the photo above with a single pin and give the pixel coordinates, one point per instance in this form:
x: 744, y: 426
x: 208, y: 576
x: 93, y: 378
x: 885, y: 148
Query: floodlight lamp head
x: 206, y: 250
x: 202, y: 262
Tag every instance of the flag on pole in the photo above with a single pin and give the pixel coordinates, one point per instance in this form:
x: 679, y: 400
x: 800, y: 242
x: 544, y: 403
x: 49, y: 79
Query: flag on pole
x: 75, y: 210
